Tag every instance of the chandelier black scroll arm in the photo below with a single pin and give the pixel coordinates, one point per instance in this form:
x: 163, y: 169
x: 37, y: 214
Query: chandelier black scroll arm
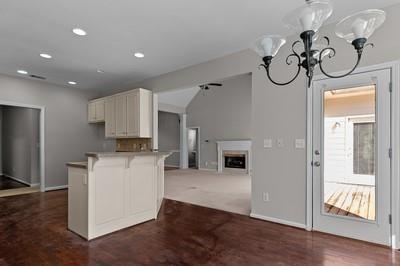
x: 332, y: 53
x: 288, y: 62
x: 293, y: 46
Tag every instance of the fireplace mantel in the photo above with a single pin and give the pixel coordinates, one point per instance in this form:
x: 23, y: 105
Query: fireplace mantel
x: 234, y: 145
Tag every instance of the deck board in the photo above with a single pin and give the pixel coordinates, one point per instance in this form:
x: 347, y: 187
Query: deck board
x: 350, y: 200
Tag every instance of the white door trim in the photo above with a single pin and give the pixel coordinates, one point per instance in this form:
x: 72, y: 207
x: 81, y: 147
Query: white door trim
x: 42, y: 133
x: 394, y: 67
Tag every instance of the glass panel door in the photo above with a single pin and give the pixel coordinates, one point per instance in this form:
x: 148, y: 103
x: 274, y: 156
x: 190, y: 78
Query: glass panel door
x: 351, y: 166
x: 349, y: 149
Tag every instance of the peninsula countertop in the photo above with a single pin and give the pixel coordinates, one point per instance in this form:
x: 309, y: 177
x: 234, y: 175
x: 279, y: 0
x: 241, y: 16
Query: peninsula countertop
x: 83, y: 165
x: 127, y: 154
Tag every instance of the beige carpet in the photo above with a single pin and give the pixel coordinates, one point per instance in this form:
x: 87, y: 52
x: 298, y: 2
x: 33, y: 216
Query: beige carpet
x: 224, y: 191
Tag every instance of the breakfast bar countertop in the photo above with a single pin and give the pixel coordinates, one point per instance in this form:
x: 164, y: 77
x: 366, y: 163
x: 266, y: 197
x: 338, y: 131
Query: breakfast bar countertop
x: 83, y: 165
x: 127, y: 154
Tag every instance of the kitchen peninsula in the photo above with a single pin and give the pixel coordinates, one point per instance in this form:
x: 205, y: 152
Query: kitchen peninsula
x: 114, y: 190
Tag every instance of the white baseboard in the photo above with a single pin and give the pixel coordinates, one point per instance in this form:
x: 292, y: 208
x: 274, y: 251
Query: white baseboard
x: 55, y: 188
x: 18, y: 180
x: 277, y: 220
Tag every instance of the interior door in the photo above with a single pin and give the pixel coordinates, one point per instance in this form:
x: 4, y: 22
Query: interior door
x: 351, y: 159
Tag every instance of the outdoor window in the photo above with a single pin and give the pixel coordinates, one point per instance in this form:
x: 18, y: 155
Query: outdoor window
x: 364, y: 148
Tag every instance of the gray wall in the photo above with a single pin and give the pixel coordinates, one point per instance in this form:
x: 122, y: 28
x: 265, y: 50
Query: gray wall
x: 67, y: 134
x: 1, y: 146
x: 20, y: 139
x: 222, y: 113
x: 169, y: 136
x: 281, y: 112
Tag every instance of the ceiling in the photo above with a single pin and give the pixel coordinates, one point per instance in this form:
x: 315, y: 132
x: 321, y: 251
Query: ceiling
x: 180, y: 98
x: 172, y: 34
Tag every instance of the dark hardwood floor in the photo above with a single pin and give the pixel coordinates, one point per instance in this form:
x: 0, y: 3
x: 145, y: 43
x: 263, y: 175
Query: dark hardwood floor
x: 33, y: 231
x: 8, y: 183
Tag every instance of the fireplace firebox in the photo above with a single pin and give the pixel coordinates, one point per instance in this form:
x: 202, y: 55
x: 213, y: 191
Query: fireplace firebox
x: 237, y: 161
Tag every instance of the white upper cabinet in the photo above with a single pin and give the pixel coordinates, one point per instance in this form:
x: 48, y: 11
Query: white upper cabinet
x: 132, y: 113
x: 120, y: 115
x: 96, y: 111
x: 110, y: 117
x: 128, y: 115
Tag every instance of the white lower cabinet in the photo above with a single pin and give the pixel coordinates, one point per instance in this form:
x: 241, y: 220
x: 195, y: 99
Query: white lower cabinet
x: 114, y: 193
x: 78, y: 200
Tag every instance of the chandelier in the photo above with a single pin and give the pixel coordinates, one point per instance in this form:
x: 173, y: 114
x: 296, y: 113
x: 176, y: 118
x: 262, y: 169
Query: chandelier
x: 307, y: 19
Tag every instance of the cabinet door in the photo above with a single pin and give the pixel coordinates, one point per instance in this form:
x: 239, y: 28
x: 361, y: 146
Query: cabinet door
x: 110, y: 117
x: 142, y: 185
x: 120, y: 116
x: 100, y: 110
x: 146, y: 114
x: 133, y: 114
x: 92, y: 112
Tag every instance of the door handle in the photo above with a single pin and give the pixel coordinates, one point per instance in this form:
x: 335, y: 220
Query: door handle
x: 317, y: 164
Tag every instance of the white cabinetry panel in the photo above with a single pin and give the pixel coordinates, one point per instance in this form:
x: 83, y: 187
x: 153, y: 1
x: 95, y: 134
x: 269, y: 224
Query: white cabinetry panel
x: 120, y: 115
x: 109, y: 194
x: 110, y: 117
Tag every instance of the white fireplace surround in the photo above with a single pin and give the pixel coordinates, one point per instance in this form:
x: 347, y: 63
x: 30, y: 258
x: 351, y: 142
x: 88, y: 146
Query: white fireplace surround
x: 236, y: 146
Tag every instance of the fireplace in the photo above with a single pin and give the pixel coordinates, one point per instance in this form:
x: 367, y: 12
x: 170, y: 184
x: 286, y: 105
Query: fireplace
x: 235, y: 161
x: 234, y: 155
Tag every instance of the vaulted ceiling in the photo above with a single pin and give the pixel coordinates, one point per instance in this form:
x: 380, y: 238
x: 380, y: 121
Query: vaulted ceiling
x: 172, y: 34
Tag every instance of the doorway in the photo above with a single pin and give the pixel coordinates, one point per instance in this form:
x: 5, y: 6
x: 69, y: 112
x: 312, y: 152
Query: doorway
x: 193, y: 147
x: 351, y: 156
x: 22, y: 167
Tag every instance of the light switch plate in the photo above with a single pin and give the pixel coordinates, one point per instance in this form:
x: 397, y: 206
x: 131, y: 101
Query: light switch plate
x: 267, y: 143
x: 300, y: 144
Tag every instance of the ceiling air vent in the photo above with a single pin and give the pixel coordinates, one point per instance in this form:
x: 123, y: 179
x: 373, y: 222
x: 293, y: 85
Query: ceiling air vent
x: 37, y: 77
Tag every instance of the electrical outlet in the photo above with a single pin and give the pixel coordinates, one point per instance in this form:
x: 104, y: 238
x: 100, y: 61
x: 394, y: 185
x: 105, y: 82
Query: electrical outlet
x: 265, y: 196
x: 206, y: 163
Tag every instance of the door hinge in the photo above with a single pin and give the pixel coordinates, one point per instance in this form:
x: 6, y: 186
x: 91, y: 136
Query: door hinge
x: 390, y: 219
x: 390, y: 153
x: 390, y: 86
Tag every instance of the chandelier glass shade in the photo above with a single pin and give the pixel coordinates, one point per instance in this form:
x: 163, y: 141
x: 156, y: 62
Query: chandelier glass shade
x: 307, y: 19
x: 310, y: 16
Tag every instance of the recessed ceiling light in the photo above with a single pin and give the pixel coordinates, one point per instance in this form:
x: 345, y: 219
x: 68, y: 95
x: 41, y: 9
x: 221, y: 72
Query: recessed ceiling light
x: 139, y: 55
x: 71, y: 82
x: 23, y: 72
x: 100, y: 71
x: 47, y: 56
x: 79, y: 32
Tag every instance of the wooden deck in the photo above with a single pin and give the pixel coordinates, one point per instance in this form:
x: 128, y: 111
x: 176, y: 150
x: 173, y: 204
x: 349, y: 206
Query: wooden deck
x: 350, y: 200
